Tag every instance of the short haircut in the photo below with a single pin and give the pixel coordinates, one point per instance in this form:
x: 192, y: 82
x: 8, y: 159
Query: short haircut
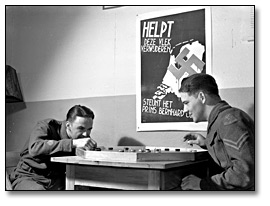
x: 80, y: 111
x: 199, y: 82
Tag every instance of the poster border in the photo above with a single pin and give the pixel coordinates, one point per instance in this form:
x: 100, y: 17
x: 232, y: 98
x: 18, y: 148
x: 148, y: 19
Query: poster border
x: 182, y: 126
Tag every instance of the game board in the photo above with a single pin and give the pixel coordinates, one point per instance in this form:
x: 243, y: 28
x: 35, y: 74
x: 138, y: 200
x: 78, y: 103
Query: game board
x: 141, y: 153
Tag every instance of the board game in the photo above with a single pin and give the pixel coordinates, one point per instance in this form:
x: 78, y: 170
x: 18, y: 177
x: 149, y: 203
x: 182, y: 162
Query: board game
x: 141, y: 153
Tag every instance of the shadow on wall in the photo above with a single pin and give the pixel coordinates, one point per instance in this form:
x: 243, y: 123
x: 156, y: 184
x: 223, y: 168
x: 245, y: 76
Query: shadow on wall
x: 251, y: 111
x: 14, y: 107
x: 58, y: 30
x: 128, y: 141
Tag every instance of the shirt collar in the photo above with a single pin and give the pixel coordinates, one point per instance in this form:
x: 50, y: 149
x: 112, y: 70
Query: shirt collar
x: 63, y: 131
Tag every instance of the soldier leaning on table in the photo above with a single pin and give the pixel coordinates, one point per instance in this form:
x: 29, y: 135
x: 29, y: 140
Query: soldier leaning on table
x: 230, y: 136
x: 51, y: 138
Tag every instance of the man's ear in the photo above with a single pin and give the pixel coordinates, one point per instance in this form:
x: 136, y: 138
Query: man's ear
x: 68, y: 125
x: 202, y: 97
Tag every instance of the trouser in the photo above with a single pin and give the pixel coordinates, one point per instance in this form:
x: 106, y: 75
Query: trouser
x: 28, y: 183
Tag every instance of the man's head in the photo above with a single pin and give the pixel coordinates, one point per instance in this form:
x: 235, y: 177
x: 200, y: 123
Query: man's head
x: 197, y: 92
x: 79, y: 122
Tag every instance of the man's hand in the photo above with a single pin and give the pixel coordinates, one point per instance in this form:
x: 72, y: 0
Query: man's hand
x: 195, y: 138
x: 84, y: 142
x: 91, y: 145
x: 191, y: 182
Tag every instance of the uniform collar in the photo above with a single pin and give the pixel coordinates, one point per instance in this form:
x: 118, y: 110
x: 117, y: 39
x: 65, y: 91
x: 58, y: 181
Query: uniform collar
x: 63, y: 131
x: 219, y: 107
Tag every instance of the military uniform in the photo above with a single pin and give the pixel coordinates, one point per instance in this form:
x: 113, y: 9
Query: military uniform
x: 35, y: 170
x: 230, y: 142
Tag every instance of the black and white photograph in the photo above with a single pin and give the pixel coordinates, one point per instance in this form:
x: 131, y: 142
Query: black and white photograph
x: 144, y: 99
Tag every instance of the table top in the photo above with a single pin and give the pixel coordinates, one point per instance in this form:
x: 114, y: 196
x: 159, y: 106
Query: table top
x: 146, y: 165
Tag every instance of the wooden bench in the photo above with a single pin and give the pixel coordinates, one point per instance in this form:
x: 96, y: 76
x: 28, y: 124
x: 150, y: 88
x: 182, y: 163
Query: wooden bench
x: 12, y: 159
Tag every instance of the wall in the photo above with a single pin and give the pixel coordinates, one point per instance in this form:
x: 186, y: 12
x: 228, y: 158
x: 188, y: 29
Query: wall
x: 86, y: 55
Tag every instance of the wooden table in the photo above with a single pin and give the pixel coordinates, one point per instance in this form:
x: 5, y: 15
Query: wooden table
x: 155, y: 175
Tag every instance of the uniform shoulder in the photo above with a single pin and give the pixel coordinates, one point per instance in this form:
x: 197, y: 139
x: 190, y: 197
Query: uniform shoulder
x: 229, y: 119
x: 236, y: 128
x: 233, y: 115
x: 48, y: 123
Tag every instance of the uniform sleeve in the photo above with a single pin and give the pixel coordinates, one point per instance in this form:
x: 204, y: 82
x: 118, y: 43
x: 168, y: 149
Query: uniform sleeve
x: 44, y: 142
x: 236, y: 154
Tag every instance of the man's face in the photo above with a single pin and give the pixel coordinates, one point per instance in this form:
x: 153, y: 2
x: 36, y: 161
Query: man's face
x: 193, y: 104
x: 80, y: 128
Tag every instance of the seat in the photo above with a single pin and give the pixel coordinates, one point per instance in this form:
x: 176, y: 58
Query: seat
x: 12, y: 159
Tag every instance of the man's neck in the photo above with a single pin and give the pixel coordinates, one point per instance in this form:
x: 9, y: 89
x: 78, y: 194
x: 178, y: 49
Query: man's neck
x: 212, y: 102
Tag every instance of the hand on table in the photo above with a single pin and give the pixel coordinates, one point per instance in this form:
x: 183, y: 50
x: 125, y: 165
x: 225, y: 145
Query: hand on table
x: 195, y: 138
x: 87, y: 143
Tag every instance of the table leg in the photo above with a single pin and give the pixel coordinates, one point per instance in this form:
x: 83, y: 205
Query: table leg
x: 154, y: 180
x: 70, y: 176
